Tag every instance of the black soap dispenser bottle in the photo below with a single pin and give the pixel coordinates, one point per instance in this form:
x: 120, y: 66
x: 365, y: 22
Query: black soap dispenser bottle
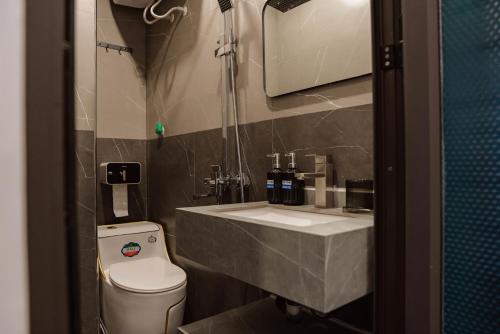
x: 274, y: 179
x: 292, y: 187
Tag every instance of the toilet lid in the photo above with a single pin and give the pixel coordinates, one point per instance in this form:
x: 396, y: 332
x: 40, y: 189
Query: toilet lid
x: 150, y: 275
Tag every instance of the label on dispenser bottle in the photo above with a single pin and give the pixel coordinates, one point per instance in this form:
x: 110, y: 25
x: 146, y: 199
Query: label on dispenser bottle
x: 270, y: 184
x: 287, y: 185
x: 131, y: 249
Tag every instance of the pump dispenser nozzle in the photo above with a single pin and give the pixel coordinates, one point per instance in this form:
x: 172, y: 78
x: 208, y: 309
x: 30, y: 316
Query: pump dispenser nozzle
x: 292, y: 164
x: 276, y: 160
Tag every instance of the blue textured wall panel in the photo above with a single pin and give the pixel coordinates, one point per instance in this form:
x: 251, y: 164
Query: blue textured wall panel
x: 471, y: 107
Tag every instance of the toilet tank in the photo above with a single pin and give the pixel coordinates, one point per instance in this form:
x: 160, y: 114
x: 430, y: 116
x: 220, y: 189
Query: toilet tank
x: 130, y: 242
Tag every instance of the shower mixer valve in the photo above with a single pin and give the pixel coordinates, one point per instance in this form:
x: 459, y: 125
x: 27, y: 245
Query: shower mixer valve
x: 224, y: 50
x: 219, y: 183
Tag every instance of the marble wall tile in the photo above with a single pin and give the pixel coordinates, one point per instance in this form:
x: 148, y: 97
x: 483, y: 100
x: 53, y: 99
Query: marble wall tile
x: 85, y: 125
x: 184, y: 77
x: 345, y: 134
x: 178, y: 164
x: 121, y: 78
x: 86, y: 224
x: 359, y: 259
x: 184, y: 88
x: 171, y: 177
x: 255, y: 254
x: 122, y: 150
x: 256, y: 143
x: 323, y: 271
x: 85, y: 65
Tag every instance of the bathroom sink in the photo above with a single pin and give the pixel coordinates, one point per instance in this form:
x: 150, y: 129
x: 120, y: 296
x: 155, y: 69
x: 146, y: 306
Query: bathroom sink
x: 320, y: 258
x: 281, y: 216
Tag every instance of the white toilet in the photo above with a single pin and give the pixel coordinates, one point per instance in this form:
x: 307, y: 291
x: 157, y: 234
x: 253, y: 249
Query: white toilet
x: 141, y: 290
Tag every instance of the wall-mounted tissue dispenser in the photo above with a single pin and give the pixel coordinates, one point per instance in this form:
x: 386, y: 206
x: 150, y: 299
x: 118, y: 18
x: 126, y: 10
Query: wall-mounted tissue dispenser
x: 120, y: 173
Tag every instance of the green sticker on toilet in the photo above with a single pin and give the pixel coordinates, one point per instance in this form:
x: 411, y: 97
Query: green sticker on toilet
x: 131, y: 249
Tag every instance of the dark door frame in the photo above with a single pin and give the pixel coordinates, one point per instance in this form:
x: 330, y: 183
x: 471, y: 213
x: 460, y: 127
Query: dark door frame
x: 407, y: 166
x: 422, y: 91
x: 389, y: 170
x: 50, y: 180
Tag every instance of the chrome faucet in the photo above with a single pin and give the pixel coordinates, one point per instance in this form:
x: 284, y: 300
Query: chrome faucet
x: 323, y: 178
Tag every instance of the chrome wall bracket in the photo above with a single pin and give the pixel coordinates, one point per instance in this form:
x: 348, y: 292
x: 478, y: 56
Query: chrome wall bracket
x: 119, y: 48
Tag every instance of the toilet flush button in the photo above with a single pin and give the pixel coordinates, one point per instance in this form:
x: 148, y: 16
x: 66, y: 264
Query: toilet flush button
x: 152, y: 239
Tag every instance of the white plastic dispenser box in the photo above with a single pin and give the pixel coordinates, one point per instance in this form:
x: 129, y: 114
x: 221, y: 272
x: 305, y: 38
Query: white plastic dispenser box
x: 119, y: 175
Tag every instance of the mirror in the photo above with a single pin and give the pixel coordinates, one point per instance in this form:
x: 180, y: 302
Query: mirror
x: 309, y: 43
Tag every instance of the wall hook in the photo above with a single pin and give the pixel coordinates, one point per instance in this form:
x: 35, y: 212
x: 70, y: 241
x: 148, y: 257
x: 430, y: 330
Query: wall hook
x: 118, y: 48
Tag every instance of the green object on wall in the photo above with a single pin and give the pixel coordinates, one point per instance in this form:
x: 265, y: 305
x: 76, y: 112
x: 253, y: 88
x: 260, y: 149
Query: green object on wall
x: 159, y: 128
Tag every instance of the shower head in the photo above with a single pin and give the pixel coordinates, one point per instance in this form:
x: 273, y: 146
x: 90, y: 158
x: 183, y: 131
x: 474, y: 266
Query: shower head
x: 225, y: 5
x: 285, y: 5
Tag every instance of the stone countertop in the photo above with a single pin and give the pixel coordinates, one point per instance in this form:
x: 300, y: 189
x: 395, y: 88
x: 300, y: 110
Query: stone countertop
x: 351, y: 222
x: 261, y: 317
x: 323, y: 266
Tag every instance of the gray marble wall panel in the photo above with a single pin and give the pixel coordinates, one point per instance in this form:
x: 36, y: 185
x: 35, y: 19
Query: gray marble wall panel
x: 86, y: 221
x: 344, y: 134
x: 178, y: 164
x: 122, y: 150
x: 184, y: 78
x: 252, y: 255
x: 121, y: 77
x: 343, y: 284
x: 85, y: 65
x: 323, y: 268
x: 184, y: 92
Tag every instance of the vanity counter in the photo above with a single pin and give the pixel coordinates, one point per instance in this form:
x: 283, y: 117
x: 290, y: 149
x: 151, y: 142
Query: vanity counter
x: 322, y: 266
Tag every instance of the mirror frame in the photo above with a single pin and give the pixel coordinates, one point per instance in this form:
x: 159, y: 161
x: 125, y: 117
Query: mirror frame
x: 300, y: 90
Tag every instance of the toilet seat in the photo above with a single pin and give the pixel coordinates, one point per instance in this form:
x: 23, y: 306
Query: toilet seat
x: 150, y: 275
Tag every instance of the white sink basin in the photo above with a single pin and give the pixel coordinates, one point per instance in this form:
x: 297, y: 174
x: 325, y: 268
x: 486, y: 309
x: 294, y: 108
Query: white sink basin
x: 281, y: 216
